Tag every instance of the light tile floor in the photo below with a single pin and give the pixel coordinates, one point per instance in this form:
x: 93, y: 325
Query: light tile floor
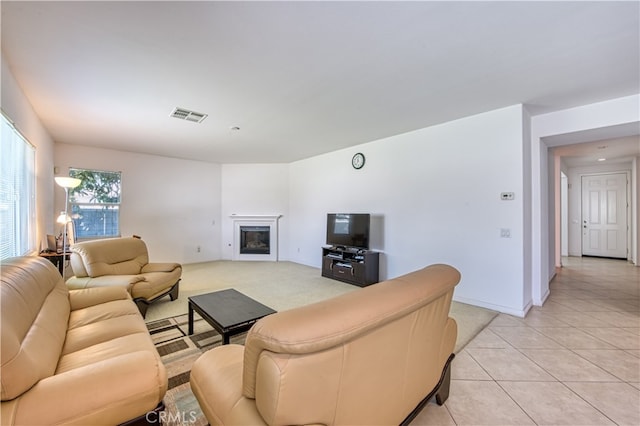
x: 573, y: 361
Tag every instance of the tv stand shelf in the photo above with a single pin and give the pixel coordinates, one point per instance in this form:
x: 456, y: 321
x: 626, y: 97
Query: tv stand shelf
x: 350, y: 265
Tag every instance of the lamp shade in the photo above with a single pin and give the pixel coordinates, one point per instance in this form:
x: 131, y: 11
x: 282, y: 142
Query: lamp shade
x: 63, y: 218
x: 67, y: 182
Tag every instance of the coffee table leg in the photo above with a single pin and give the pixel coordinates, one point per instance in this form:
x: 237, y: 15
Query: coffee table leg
x: 190, y: 319
x: 225, y: 338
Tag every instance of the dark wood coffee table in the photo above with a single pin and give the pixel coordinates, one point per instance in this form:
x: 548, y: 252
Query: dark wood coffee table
x: 228, y: 311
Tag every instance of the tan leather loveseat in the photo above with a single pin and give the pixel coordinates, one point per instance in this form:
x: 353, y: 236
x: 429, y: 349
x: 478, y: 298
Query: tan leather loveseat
x: 370, y: 357
x: 80, y: 357
x: 123, y: 262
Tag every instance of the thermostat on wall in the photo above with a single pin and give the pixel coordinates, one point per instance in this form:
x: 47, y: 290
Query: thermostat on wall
x: 507, y: 195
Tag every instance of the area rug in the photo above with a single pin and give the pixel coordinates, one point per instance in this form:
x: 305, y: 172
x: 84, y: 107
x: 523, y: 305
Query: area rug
x: 178, y: 352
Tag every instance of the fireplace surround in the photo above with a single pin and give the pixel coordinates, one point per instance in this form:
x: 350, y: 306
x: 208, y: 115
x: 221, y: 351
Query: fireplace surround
x: 255, y: 237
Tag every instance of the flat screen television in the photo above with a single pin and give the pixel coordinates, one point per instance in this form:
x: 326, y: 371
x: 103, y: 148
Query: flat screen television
x: 348, y: 230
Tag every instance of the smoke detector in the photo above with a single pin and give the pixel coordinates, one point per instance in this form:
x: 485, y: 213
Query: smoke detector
x: 185, y: 114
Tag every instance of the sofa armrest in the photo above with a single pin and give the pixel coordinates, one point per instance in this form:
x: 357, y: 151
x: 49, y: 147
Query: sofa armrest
x: 83, y: 298
x: 216, y: 381
x: 107, y: 392
x: 160, y: 267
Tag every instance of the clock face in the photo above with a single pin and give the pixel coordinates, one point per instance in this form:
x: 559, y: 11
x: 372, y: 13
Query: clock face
x: 358, y: 161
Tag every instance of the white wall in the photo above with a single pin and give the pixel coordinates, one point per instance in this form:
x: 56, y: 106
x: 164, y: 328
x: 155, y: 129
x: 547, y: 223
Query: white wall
x: 435, y: 196
x: 173, y: 204
x: 16, y: 106
x: 255, y: 189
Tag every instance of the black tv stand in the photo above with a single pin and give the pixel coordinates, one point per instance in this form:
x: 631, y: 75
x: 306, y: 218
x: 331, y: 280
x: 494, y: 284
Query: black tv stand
x: 350, y: 265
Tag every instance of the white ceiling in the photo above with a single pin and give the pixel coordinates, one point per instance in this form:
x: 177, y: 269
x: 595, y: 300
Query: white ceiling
x: 608, y: 151
x: 303, y: 78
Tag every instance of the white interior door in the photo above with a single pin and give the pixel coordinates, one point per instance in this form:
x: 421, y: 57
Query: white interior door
x: 604, y: 215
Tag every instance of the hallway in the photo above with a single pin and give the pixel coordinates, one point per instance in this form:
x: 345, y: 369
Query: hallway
x: 573, y: 361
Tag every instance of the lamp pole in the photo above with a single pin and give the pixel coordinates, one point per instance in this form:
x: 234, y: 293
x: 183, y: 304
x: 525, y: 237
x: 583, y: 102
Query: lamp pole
x: 66, y: 183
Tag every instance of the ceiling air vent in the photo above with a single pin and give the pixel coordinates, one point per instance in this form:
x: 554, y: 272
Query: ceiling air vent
x: 185, y: 114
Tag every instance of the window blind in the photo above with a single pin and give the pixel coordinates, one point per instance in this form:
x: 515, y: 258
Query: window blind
x: 17, y: 192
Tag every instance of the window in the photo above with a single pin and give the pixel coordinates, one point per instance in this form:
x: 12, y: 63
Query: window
x: 95, y: 203
x: 17, y: 193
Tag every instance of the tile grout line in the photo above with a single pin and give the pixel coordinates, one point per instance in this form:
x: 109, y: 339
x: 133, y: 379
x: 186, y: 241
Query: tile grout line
x: 552, y: 375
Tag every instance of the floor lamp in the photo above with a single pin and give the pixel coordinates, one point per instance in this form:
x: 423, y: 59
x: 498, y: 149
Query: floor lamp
x: 66, y: 183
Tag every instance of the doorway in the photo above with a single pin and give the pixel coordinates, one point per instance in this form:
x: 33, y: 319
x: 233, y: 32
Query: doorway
x: 605, y: 215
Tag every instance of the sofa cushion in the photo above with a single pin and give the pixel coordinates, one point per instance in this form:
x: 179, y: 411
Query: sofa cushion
x: 98, y: 324
x: 95, y: 296
x: 102, y: 393
x: 126, y: 281
x: 101, y: 312
x: 115, y: 256
x: 34, y: 323
x: 106, y: 350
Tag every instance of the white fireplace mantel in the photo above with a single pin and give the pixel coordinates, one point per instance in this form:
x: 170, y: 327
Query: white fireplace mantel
x: 270, y: 220
x: 255, y: 216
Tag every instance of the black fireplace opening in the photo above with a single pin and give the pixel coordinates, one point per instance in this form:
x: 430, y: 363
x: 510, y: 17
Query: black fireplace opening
x: 255, y: 240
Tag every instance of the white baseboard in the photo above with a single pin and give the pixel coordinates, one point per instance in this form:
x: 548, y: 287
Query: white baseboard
x: 521, y: 313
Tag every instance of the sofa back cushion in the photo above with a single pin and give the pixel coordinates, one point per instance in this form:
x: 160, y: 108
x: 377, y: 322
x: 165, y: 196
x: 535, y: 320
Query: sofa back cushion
x: 34, y: 309
x: 371, y: 354
x: 112, y: 256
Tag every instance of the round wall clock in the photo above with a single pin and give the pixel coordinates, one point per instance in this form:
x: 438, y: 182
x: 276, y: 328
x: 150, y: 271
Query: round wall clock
x: 358, y: 161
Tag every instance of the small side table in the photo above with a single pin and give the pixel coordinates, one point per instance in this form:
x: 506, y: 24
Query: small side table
x: 57, y: 259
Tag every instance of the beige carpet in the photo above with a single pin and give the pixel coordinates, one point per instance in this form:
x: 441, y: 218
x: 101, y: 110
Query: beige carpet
x: 286, y: 285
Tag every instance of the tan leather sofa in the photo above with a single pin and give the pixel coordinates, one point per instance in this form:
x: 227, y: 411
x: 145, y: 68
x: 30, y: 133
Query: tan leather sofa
x: 374, y: 356
x: 123, y: 262
x: 80, y: 357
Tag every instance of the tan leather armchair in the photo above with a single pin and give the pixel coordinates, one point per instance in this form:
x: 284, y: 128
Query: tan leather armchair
x: 123, y: 262
x: 81, y: 357
x: 372, y: 356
